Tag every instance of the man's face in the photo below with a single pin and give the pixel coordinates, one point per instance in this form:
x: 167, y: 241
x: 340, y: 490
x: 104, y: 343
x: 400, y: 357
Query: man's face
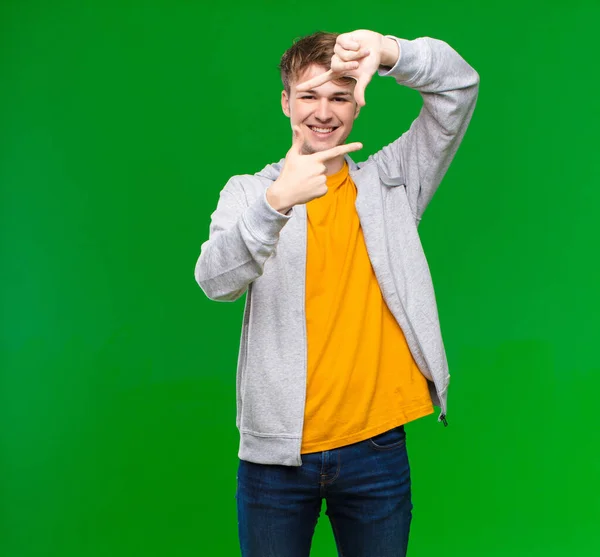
x: 325, y: 113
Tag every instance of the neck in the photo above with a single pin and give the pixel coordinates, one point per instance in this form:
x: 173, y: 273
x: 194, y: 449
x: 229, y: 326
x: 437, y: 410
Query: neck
x: 334, y: 165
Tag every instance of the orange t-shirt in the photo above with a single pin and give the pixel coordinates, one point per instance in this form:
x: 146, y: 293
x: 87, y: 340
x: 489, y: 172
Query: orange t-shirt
x: 362, y: 379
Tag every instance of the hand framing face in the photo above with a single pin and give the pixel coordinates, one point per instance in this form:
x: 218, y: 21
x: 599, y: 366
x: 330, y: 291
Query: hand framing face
x: 356, y: 55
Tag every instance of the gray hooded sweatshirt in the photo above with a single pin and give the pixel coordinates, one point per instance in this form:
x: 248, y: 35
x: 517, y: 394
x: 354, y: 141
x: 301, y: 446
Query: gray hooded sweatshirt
x: 254, y: 249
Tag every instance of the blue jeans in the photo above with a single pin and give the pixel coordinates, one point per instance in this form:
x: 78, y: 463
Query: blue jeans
x: 367, y: 489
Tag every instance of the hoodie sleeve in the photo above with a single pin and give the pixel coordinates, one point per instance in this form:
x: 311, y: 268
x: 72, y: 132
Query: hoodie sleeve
x: 449, y: 88
x: 241, y: 238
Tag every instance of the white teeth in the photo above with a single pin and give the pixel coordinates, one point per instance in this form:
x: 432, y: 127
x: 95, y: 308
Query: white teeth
x: 321, y: 130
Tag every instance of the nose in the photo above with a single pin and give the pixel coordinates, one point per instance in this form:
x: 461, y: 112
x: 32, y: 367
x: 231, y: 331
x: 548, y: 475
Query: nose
x: 323, y: 112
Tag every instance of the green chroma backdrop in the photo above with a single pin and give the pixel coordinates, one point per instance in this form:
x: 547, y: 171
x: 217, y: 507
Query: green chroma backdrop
x: 119, y: 124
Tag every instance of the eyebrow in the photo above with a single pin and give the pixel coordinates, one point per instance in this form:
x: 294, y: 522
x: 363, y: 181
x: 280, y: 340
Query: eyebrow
x: 336, y: 94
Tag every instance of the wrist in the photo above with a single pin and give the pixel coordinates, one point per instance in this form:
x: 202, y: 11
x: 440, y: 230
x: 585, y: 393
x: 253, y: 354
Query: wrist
x: 390, y: 52
x: 275, y: 200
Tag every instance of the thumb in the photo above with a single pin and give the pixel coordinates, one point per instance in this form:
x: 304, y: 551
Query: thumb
x: 298, y: 139
x: 359, y: 90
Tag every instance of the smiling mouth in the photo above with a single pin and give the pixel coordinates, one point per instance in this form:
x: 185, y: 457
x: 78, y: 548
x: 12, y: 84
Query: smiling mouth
x: 323, y: 131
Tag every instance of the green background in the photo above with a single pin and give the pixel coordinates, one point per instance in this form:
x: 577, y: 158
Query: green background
x: 119, y: 124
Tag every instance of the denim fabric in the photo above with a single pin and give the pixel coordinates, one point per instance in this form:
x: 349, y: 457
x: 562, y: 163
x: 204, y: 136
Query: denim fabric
x: 367, y: 489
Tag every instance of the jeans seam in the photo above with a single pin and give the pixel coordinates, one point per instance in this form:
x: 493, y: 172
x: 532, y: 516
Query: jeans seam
x: 337, y: 536
x: 337, y: 472
x: 388, y: 447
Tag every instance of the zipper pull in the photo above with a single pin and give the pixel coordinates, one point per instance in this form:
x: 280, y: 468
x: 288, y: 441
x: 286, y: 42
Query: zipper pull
x: 443, y: 420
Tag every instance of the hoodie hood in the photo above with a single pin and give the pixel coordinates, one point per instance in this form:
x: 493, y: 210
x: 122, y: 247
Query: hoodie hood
x: 272, y: 171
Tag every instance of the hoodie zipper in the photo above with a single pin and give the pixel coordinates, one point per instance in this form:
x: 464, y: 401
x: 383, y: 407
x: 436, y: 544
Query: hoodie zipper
x: 442, y: 417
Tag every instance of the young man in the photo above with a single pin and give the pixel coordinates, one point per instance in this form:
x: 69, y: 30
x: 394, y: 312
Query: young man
x: 341, y: 343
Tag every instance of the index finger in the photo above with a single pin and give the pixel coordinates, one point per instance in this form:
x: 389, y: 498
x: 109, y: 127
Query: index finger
x: 315, y: 81
x: 323, y: 156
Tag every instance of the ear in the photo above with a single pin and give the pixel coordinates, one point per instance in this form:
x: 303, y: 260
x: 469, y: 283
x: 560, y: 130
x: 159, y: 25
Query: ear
x: 285, y: 103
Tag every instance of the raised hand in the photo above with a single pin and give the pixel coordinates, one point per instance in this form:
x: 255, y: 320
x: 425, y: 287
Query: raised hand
x: 303, y: 177
x: 357, y: 55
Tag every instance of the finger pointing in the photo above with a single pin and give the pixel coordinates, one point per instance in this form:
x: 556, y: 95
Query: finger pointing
x: 323, y: 156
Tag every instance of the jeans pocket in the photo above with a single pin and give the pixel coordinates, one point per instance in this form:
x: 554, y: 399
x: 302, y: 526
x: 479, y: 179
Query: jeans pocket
x: 390, y: 439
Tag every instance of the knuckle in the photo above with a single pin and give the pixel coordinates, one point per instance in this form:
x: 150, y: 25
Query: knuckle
x: 344, y: 39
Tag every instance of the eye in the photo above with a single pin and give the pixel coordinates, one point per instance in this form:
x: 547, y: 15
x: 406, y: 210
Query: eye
x: 340, y: 99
